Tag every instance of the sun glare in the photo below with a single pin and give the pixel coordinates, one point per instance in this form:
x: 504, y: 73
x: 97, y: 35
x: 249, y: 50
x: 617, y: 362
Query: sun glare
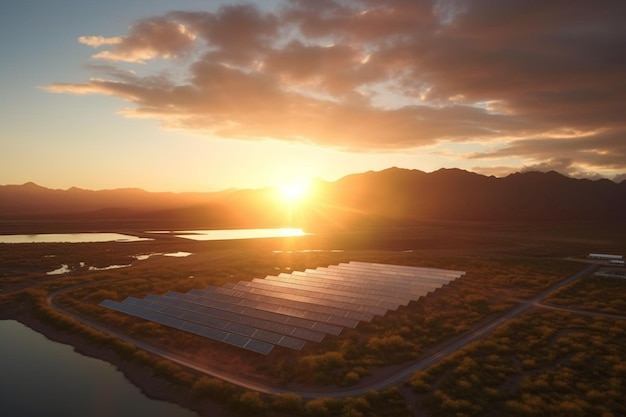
x: 293, y: 191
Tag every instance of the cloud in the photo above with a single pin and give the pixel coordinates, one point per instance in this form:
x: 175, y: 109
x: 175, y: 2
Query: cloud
x: 148, y: 39
x: 579, y: 156
x: 536, y: 79
x: 97, y: 41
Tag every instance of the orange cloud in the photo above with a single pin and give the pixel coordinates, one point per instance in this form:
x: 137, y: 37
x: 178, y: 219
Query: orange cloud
x: 148, y: 39
x: 382, y: 75
x: 97, y: 41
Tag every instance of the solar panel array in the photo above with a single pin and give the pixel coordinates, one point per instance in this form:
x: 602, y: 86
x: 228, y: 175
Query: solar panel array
x: 289, y: 310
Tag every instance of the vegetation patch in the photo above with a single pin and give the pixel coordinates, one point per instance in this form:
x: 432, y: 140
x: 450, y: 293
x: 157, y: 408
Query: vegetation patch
x: 544, y: 363
x: 594, y: 293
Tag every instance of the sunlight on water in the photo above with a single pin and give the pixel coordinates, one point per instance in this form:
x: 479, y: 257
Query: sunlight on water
x: 230, y: 234
x: 106, y: 268
x: 70, y: 238
x: 63, y: 270
x: 178, y: 254
x: 277, y: 251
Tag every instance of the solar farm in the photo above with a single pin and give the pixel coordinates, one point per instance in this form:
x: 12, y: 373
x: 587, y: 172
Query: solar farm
x: 289, y: 310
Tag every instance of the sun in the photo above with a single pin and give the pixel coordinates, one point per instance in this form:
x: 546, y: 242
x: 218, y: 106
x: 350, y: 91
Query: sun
x: 294, y: 191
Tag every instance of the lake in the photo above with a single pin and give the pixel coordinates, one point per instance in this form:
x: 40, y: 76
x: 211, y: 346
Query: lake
x: 225, y: 234
x: 39, y: 377
x: 231, y: 234
x: 70, y: 238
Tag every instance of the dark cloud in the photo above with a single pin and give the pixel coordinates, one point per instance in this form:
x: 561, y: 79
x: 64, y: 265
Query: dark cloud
x: 533, y: 78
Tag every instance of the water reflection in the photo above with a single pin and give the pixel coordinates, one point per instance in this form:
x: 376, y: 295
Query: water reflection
x: 40, y: 377
x: 178, y: 254
x: 70, y: 238
x: 64, y: 269
x: 231, y: 234
x: 106, y: 268
x: 277, y: 251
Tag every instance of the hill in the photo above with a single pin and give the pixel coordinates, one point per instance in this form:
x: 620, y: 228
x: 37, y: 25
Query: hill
x: 452, y: 194
x: 373, y: 199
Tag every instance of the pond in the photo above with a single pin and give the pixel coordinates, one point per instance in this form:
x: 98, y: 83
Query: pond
x: 231, y: 234
x: 40, y: 377
x: 70, y: 238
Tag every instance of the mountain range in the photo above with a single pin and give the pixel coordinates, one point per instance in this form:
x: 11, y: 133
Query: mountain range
x: 373, y: 199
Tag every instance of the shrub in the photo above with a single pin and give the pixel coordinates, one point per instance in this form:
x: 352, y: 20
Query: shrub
x: 249, y: 403
x: 288, y: 402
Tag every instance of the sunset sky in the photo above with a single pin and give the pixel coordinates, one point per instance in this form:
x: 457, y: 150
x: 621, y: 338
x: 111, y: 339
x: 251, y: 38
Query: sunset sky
x: 193, y: 95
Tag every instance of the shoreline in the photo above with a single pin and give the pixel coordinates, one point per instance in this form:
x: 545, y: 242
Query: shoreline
x: 151, y: 386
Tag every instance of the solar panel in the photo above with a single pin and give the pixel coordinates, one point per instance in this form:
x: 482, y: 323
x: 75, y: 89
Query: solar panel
x: 398, y: 278
x: 409, y: 268
x: 392, y: 282
x: 289, y: 309
x: 331, y: 294
x: 236, y: 340
x: 402, y: 270
x: 311, y: 297
x: 385, y: 277
x: 374, y: 277
x: 277, y: 305
x: 322, y: 281
x: 256, y: 322
x: 322, y: 305
x: 338, y: 289
x: 258, y: 346
x: 213, y: 334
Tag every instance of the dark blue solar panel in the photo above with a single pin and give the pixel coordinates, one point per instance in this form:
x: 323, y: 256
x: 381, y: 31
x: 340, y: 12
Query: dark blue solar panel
x: 287, y: 310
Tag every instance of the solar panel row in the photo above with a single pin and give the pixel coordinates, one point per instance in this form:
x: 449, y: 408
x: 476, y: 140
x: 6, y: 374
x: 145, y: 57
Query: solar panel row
x: 269, y: 315
x: 337, y: 294
x: 400, y: 277
x: 391, y: 281
x: 314, y: 282
x: 370, y: 281
x: 368, y: 285
x: 289, y: 309
x: 317, y: 278
x: 253, y: 327
x: 312, y: 296
x: 209, y: 333
x: 320, y: 303
x: 408, y: 268
x: 405, y: 269
x: 279, y: 326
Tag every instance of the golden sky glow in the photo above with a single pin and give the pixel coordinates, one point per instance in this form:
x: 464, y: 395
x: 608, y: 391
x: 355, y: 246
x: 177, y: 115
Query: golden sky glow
x: 294, y: 191
x: 219, y: 95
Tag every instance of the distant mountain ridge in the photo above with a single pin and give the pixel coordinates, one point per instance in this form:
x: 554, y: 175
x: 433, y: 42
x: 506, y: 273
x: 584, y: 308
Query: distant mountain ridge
x: 390, y: 197
x: 454, y: 194
x: 31, y: 198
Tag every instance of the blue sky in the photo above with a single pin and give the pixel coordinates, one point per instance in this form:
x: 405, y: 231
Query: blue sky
x: 250, y: 94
